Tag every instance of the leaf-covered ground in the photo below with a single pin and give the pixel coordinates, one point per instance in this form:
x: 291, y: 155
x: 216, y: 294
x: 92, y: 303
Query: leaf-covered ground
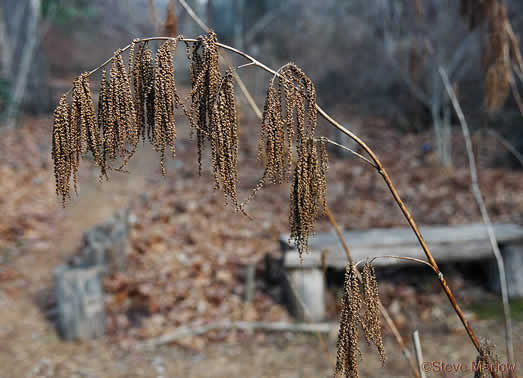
x: 189, y: 253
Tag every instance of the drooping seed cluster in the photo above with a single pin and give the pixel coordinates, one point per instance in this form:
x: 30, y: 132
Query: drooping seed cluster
x: 289, y: 113
x: 206, y: 79
x: 371, y: 319
x: 64, y: 160
x: 360, y: 307
x: 349, y: 354
x: 141, y: 69
x: 487, y: 360
x: 140, y: 103
x: 83, y: 120
x: 308, y: 193
x: 166, y: 99
x: 224, y: 137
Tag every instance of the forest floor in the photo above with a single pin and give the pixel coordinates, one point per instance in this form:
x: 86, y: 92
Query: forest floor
x: 189, y: 251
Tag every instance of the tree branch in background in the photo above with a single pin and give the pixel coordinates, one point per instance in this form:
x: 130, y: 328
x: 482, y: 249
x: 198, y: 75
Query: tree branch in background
x: 25, y: 64
x: 484, y: 214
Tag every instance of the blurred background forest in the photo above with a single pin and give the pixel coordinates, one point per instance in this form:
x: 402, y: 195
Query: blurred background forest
x: 375, y: 66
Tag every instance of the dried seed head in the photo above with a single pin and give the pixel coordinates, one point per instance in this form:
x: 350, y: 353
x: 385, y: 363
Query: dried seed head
x: 206, y: 78
x: 289, y: 120
x: 166, y: 99
x: 348, y: 354
x: 358, y: 308
x: 371, y: 320
x: 83, y: 119
x: 61, y: 154
x: 308, y: 192
x: 224, y: 138
x: 487, y: 360
x: 122, y: 128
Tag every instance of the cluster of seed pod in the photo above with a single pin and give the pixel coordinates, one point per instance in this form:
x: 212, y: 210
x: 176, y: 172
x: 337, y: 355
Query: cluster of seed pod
x: 141, y: 103
x: 359, y: 309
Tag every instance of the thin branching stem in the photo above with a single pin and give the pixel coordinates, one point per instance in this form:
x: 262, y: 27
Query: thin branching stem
x: 405, y: 258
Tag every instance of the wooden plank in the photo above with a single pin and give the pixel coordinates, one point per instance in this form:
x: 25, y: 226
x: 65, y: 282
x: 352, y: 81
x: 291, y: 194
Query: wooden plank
x: 447, y: 243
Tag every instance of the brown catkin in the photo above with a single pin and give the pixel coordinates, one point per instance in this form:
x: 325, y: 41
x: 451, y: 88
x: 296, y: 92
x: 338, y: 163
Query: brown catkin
x: 308, y: 193
x: 61, y: 149
x: 166, y: 99
x: 348, y: 350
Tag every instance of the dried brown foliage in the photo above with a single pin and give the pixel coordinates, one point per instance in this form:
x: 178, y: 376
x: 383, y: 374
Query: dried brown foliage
x: 360, y: 307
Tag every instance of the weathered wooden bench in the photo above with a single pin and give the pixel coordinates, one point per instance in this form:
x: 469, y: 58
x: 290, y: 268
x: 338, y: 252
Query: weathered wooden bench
x: 305, y: 282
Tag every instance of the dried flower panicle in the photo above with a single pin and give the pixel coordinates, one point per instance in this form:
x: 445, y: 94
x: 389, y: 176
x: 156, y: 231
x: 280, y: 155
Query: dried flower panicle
x: 349, y: 354
x: 371, y: 320
x: 166, y: 99
x: 487, y: 360
x: 117, y: 117
x: 206, y: 79
x: 224, y: 138
x: 141, y: 74
x: 360, y: 307
x: 308, y: 192
x: 84, y: 124
x: 289, y: 111
x: 64, y: 162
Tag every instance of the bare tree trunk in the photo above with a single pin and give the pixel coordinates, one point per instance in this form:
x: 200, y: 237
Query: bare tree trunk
x: 26, y: 65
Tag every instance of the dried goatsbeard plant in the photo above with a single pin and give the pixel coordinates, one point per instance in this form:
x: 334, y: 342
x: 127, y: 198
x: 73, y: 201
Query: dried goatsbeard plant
x: 360, y: 308
x: 500, y: 48
x: 140, y: 103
